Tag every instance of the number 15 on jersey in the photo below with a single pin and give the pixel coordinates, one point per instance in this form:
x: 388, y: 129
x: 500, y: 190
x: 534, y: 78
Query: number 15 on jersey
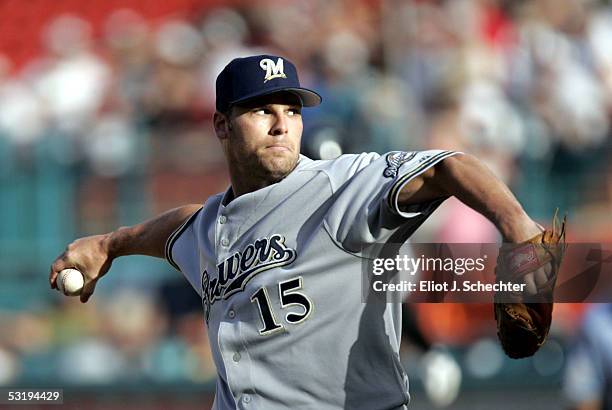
x: 288, y: 296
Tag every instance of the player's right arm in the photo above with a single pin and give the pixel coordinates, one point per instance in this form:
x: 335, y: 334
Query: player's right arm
x: 93, y: 255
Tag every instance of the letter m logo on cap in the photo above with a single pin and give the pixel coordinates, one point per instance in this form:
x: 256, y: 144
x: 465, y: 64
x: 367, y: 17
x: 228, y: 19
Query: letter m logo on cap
x: 272, y: 70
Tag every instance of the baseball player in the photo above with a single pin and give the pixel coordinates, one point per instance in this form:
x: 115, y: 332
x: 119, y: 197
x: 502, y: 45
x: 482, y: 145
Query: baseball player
x: 276, y: 258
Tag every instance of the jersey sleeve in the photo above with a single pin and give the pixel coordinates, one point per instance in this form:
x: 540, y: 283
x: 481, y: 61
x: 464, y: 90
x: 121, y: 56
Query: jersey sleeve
x: 366, y: 189
x: 182, y: 253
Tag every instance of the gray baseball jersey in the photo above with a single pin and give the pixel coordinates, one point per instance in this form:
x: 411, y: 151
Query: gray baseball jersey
x: 278, y: 271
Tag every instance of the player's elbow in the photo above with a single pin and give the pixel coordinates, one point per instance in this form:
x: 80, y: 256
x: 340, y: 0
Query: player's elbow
x: 454, y: 166
x: 446, y: 173
x: 455, y: 171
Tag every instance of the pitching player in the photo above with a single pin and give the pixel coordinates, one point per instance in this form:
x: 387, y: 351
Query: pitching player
x: 276, y: 258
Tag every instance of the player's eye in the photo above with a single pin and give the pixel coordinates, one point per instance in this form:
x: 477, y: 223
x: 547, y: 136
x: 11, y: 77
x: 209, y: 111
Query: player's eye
x: 261, y: 111
x: 294, y: 111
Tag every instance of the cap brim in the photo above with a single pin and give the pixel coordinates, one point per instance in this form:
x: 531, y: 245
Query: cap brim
x: 308, y: 97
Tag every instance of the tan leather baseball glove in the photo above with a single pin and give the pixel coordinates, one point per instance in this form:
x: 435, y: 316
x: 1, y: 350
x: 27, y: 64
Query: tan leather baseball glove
x: 523, y: 320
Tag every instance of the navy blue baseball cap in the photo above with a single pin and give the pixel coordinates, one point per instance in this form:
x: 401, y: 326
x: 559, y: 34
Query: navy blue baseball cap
x: 249, y: 77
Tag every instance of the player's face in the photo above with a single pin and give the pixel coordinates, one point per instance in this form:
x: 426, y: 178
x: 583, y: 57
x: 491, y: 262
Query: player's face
x: 264, y: 136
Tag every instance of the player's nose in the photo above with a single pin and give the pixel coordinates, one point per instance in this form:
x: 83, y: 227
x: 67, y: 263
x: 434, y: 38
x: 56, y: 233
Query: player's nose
x: 280, y: 126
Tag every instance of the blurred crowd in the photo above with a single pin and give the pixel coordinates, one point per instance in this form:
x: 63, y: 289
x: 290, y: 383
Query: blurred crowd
x: 112, y: 124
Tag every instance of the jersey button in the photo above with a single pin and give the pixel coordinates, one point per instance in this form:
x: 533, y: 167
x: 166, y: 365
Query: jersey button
x: 246, y: 398
x: 222, y: 219
x: 236, y: 357
x: 231, y: 314
x: 224, y: 242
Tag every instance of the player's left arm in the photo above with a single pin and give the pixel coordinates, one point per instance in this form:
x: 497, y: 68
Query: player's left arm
x: 472, y: 182
x: 469, y: 180
x: 521, y: 327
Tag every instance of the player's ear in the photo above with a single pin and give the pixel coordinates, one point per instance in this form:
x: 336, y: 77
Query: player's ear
x: 221, y: 122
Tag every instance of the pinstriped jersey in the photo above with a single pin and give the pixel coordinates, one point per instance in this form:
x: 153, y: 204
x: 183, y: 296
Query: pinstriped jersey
x: 279, y: 274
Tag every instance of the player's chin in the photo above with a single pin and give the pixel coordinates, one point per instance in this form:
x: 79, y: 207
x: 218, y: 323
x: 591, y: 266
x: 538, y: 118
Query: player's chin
x: 279, y: 164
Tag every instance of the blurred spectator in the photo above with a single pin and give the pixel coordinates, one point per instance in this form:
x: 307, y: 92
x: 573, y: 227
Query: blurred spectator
x: 9, y: 367
x: 21, y: 111
x: 127, y: 37
x: 72, y: 80
x: 225, y: 35
x: 588, y: 373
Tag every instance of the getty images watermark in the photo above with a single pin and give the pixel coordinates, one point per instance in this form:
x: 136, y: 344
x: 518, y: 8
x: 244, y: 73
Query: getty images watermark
x: 466, y: 273
x: 453, y: 266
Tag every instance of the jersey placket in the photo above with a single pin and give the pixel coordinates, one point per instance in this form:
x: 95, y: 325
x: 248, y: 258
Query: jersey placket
x: 237, y: 361
x: 230, y: 340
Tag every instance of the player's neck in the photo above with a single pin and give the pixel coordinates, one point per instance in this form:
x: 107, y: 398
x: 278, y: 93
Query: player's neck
x: 251, y: 178
x: 244, y: 184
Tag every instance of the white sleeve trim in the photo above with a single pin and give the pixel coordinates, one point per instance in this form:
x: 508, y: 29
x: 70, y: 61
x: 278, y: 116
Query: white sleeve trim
x: 174, y: 237
x: 393, y: 195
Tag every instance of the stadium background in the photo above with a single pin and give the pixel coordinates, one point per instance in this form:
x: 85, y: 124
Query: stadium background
x: 105, y: 112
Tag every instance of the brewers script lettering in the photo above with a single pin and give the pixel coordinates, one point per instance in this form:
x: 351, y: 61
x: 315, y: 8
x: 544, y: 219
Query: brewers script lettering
x: 236, y: 271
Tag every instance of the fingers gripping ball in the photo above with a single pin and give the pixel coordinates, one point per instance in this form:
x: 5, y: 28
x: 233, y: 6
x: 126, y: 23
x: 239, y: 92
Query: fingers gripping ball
x: 70, y: 282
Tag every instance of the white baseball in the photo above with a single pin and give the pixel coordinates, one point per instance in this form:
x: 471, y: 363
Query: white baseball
x: 70, y: 282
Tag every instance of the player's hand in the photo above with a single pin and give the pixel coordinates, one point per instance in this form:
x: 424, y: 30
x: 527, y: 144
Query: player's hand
x: 89, y: 255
